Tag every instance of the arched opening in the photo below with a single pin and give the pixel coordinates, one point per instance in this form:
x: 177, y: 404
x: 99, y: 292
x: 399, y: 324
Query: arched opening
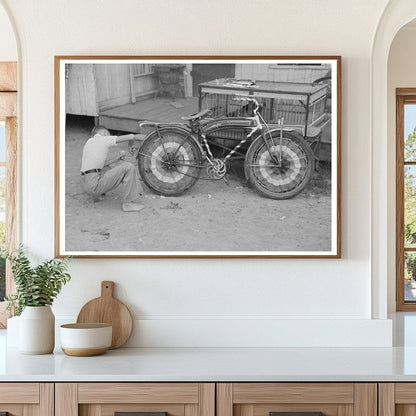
x: 401, y: 93
x: 396, y: 16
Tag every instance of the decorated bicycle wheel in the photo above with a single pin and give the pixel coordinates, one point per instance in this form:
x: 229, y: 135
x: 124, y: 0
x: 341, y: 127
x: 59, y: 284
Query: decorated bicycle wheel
x: 279, y: 169
x: 170, y: 161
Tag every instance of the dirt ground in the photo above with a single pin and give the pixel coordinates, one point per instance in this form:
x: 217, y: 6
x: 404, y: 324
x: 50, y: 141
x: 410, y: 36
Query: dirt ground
x: 211, y: 216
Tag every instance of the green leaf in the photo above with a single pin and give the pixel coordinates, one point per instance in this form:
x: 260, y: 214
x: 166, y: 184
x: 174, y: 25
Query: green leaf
x: 35, y: 286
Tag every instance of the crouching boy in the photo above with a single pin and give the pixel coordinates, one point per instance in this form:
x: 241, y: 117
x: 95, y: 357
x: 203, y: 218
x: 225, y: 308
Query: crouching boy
x: 96, y: 182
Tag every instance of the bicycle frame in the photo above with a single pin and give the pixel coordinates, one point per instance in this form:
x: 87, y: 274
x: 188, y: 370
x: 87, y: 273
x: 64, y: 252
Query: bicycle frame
x: 233, y: 123
x: 202, y: 132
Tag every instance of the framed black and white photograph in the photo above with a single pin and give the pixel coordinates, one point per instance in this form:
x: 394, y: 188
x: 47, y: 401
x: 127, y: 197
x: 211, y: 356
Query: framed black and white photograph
x: 198, y: 156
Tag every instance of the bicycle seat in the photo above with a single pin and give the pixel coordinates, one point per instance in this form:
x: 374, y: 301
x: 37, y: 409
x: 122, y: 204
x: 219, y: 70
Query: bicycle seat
x: 196, y: 116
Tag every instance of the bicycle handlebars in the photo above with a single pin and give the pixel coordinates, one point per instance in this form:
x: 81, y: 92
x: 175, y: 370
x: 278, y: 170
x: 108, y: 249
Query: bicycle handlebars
x: 245, y: 98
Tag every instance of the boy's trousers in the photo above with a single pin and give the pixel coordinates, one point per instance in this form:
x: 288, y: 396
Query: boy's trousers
x: 124, y: 174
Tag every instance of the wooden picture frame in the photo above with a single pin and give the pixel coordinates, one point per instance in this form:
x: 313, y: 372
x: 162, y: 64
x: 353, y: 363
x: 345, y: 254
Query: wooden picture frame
x: 254, y: 172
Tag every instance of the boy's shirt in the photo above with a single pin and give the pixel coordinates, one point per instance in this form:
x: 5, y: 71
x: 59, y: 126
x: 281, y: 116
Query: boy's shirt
x: 95, y: 151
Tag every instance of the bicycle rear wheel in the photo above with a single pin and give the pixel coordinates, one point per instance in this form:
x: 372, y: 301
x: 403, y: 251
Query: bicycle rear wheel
x: 170, y: 161
x: 279, y: 180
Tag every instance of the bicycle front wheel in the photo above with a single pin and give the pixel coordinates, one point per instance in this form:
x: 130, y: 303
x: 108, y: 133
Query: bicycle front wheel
x: 170, y: 161
x: 279, y: 169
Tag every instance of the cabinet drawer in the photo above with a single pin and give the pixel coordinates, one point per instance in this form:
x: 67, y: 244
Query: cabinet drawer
x: 144, y: 399
x: 397, y: 399
x: 138, y: 393
x: 21, y: 399
x: 19, y: 393
x: 297, y: 399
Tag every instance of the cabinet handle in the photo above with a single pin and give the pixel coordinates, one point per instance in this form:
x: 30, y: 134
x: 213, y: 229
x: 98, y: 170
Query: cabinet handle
x: 138, y: 414
x: 295, y: 413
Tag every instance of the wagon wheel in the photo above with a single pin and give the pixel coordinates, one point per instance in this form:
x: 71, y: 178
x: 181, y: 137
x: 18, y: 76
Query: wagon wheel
x: 169, y: 161
x: 274, y: 179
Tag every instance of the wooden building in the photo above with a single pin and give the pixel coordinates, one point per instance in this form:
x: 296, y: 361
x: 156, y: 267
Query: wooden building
x: 118, y: 95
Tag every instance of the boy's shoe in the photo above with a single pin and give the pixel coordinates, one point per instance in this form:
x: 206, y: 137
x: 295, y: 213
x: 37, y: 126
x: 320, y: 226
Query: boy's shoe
x: 132, y: 207
x: 99, y: 198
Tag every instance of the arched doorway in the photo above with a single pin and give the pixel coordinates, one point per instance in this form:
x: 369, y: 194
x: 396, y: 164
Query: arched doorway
x: 401, y: 99
x: 396, y: 15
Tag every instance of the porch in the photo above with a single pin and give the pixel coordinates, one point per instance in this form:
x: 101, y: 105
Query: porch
x: 127, y: 117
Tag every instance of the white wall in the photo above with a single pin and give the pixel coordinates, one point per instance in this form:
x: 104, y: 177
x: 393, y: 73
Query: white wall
x: 8, y: 46
x: 203, y: 302
x: 401, y: 74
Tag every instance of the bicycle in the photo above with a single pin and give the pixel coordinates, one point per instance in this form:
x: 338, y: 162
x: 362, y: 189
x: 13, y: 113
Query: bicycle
x: 278, y: 162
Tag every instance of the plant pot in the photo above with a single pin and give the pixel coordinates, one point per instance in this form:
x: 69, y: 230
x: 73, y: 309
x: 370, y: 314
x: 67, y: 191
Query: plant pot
x: 37, y: 330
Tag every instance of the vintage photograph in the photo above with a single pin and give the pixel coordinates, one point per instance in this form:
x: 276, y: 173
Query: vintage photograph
x: 197, y: 157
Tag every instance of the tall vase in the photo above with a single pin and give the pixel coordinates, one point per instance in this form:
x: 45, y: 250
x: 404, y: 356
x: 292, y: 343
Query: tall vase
x: 37, y: 330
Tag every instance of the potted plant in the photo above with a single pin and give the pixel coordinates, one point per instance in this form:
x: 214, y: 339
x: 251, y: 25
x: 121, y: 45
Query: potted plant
x: 36, y: 289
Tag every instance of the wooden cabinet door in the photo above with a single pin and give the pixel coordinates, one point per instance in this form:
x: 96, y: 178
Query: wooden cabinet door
x: 143, y: 399
x: 397, y: 399
x: 26, y: 399
x: 297, y: 399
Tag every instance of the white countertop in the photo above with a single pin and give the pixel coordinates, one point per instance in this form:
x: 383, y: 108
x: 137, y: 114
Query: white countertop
x: 215, y: 364
x: 222, y: 364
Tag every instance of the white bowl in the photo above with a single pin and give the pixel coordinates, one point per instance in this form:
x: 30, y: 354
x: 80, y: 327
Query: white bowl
x: 84, y: 340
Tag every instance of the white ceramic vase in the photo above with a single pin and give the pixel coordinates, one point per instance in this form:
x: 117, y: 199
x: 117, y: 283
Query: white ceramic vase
x: 37, y: 330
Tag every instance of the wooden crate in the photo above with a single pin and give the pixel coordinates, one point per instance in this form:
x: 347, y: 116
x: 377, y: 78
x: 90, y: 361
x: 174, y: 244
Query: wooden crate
x: 297, y: 103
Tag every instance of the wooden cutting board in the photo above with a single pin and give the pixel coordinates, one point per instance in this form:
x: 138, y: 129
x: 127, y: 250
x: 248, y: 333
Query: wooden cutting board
x: 107, y: 309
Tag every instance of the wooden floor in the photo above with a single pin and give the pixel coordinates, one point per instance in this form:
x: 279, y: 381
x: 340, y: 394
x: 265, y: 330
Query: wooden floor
x: 165, y: 109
